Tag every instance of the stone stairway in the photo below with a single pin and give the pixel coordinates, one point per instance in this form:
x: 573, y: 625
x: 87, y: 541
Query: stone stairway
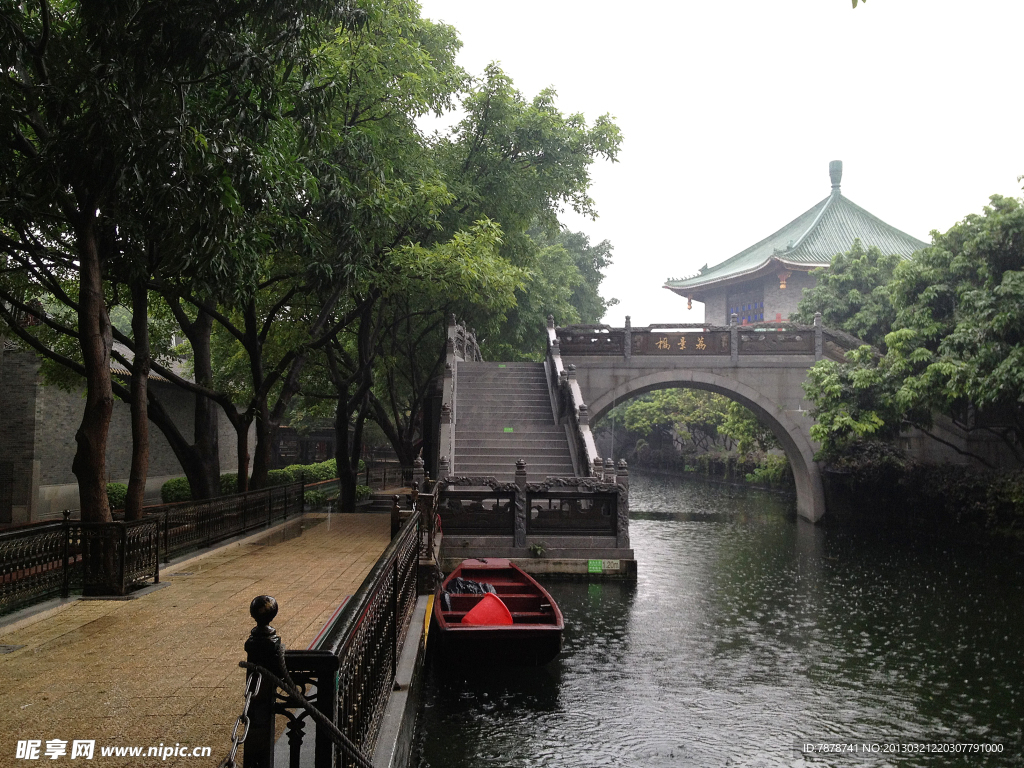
x: 503, y: 413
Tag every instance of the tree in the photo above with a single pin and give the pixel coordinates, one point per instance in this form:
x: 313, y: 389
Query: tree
x: 957, y: 342
x: 854, y: 294
x: 97, y: 130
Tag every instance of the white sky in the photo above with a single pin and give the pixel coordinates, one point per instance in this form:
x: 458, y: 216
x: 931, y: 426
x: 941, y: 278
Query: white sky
x: 732, y: 109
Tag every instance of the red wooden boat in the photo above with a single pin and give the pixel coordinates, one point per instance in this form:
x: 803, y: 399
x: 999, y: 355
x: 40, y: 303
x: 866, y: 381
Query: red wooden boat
x: 533, y: 637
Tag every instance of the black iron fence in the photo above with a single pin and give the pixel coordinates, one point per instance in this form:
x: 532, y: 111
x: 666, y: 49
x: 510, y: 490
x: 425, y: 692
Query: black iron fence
x: 45, y: 560
x: 348, y: 673
x: 381, y: 476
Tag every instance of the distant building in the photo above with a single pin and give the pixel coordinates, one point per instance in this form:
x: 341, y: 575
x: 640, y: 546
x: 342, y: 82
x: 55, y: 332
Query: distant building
x: 766, y: 281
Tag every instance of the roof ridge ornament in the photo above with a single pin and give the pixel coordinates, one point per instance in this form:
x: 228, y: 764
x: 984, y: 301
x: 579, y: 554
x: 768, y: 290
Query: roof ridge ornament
x: 835, y: 172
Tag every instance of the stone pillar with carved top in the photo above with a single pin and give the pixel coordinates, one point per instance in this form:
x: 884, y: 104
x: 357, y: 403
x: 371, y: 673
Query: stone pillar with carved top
x: 817, y: 336
x: 520, y: 511
x: 622, y: 512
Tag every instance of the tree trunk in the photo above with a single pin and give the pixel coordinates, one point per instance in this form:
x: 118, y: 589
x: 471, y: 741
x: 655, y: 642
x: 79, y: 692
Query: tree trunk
x: 261, y: 454
x: 205, y: 432
x: 242, y: 448
x: 139, y: 406
x: 347, y: 457
x: 96, y: 339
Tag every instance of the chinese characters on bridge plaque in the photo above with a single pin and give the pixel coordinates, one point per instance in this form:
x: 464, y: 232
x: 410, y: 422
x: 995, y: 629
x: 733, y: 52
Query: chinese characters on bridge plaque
x: 695, y: 343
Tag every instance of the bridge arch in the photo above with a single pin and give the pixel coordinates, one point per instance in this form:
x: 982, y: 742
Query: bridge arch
x: 790, y: 428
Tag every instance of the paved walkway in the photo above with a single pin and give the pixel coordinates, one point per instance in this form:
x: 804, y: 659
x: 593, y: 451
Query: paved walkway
x: 163, y: 668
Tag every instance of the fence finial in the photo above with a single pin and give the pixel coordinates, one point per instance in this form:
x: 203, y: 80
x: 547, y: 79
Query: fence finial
x: 263, y: 647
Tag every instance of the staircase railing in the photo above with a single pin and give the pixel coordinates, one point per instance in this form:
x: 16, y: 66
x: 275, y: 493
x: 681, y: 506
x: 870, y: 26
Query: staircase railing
x: 462, y: 347
x: 571, y: 408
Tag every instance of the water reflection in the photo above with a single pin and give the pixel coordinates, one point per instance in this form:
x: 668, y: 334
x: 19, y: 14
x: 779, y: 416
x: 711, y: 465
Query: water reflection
x: 748, y: 632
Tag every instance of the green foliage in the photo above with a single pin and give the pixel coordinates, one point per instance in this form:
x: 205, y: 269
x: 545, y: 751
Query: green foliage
x: 228, y: 483
x: 279, y: 477
x: 363, y: 492
x: 854, y: 294
x: 852, y: 401
x: 174, y: 490
x: 747, y: 431
x: 773, y: 470
x: 314, y: 499
x: 691, y: 419
x: 957, y: 340
x: 116, y: 494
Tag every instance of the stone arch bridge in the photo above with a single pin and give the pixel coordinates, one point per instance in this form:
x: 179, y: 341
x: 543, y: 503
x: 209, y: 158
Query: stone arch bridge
x: 762, y: 366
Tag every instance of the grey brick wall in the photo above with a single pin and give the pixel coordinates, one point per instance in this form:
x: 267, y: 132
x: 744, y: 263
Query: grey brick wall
x: 37, y: 438
x: 17, y: 429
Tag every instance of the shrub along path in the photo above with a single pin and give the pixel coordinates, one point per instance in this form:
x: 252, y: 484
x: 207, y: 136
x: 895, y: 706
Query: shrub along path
x: 164, y: 668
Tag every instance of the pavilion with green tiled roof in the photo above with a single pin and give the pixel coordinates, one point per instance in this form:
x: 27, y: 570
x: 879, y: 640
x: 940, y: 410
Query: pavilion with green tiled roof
x: 766, y: 281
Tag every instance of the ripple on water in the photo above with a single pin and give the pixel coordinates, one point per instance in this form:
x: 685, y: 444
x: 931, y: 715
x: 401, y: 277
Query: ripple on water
x: 745, y: 634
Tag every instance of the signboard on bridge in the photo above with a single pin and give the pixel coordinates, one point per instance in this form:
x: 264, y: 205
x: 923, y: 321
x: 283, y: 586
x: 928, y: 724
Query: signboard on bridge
x: 693, y: 343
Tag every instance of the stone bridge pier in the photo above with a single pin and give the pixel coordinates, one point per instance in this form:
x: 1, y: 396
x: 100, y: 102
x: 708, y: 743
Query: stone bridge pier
x: 762, y: 368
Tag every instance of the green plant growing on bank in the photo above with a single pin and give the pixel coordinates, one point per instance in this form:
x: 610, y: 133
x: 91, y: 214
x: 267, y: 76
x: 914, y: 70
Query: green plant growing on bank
x: 773, y: 470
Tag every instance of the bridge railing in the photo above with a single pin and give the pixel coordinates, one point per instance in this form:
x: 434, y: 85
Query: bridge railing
x: 689, y: 340
x: 461, y: 347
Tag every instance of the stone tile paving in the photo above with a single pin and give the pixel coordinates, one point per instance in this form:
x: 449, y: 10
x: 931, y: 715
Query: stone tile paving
x: 163, y: 668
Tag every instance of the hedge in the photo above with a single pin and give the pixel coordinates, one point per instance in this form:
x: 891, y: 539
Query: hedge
x: 177, y: 488
x: 116, y: 494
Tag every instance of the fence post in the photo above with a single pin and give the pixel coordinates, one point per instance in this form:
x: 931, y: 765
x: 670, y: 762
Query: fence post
x: 627, y: 340
x: 734, y: 338
x: 396, y: 516
x: 263, y: 647
x: 622, y: 510
x: 156, y: 545
x: 167, y: 536
x: 417, y: 473
x: 65, y: 587
x: 122, y: 555
x: 817, y: 336
x: 520, y: 506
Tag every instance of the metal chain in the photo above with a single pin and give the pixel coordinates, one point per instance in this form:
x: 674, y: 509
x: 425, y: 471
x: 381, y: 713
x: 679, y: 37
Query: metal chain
x: 339, y: 738
x: 251, y: 690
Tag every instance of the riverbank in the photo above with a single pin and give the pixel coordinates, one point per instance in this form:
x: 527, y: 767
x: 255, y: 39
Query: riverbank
x: 724, y: 471
x: 878, y: 483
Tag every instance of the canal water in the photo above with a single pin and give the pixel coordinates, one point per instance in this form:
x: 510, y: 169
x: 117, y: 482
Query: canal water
x: 749, y: 634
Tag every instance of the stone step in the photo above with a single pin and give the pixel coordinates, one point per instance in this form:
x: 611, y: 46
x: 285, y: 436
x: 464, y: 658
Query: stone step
x: 488, y: 431
x: 469, y: 444
x: 538, y: 377
x: 520, y: 453
x: 515, y: 394
x: 500, y: 421
x: 500, y: 366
